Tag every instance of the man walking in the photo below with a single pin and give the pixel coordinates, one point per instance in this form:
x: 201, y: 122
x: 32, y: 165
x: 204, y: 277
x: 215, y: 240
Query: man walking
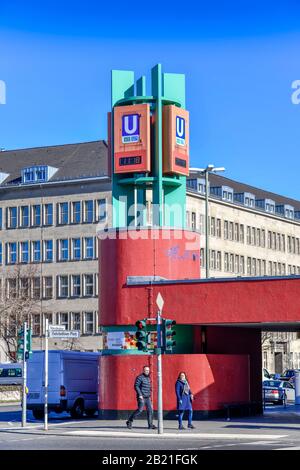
x: 142, y: 386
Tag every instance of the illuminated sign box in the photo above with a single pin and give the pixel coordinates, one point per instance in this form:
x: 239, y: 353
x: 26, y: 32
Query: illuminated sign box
x: 132, y: 139
x: 175, y: 140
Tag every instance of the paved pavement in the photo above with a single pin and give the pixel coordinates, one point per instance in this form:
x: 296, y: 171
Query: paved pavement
x: 279, y: 428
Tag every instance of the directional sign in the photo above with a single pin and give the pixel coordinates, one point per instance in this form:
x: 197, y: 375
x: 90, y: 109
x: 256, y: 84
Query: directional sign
x: 57, y: 327
x: 64, y: 334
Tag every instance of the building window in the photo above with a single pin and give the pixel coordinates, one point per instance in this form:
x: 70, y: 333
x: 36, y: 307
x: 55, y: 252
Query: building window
x: 236, y: 264
x: 75, y: 285
x: 248, y: 235
x: 89, y: 248
x: 36, y: 324
x: 36, y: 215
x: 63, y: 286
x: 241, y: 233
x: 48, y: 250
x: 76, y: 212
x: 11, y: 288
x: 236, y: 232
x: 226, y: 229
x: 11, y: 253
x: 231, y: 263
x: 88, y: 213
x: 76, y: 249
x: 24, y: 222
x: 63, y: 213
x: 47, y: 287
x: 63, y: 249
x: 242, y: 265
x: 202, y: 224
x: 212, y: 259
x: 12, y: 217
x: 76, y: 323
x: 89, y: 323
x: 226, y: 262
x: 202, y: 258
x: 36, y: 251
x: 48, y: 214
x: 230, y: 231
x: 1, y: 221
x: 219, y: 261
x: 248, y: 266
x: 24, y: 252
x: 88, y: 285
x: 1, y: 260
x: 101, y: 210
x: 24, y: 288
x: 212, y: 226
x: 193, y: 220
x: 36, y: 288
x: 63, y: 319
x: 263, y: 238
x: 219, y: 228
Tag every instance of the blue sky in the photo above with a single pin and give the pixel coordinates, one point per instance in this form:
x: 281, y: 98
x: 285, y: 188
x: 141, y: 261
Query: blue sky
x: 240, y: 59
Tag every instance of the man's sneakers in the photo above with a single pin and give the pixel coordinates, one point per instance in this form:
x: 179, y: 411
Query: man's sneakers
x: 181, y: 428
x: 129, y: 424
x: 191, y: 426
x: 152, y: 426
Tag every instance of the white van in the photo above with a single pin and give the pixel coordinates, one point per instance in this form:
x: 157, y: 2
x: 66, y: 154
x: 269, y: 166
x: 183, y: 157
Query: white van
x: 73, y: 383
x: 11, y: 373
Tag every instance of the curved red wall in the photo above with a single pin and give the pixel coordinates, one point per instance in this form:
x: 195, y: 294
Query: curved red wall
x: 215, y: 379
x: 169, y: 253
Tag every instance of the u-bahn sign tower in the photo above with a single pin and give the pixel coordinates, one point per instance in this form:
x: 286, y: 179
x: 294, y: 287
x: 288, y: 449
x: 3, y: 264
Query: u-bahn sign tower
x: 219, y: 321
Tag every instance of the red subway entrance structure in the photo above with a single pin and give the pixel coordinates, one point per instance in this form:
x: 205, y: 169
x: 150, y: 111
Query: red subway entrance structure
x: 219, y: 321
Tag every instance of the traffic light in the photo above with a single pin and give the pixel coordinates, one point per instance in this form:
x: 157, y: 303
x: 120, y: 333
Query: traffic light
x: 20, y: 344
x: 141, y: 335
x: 167, y: 334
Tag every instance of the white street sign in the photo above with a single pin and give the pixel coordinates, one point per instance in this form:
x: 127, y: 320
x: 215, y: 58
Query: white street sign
x: 160, y: 301
x: 56, y: 327
x: 64, y: 334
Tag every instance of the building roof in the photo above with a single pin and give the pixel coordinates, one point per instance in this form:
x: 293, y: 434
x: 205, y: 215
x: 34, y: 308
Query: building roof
x: 73, y: 161
x: 218, y: 180
x: 89, y: 159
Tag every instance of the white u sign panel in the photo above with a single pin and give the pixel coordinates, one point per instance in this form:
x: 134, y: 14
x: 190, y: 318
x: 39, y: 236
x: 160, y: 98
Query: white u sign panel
x: 2, y: 92
x: 180, y: 130
x: 130, y: 128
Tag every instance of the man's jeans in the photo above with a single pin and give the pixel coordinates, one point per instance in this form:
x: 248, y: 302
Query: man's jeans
x: 180, y: 417
x: 141, y: 403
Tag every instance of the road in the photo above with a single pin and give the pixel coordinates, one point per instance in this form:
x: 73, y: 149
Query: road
x: 277, y: 429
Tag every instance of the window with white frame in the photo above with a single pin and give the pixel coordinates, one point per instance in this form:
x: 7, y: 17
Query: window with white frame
x: 47, y: 287
x: 63, y: 319
x: 63, y: 249
x: 36, y: 287
x: 76, y: 321
x: 63, y: 213
x: 75, y: 285
x: 89, y: 323
x: 88, y: 212
x: 101, y: 210
x: 88, y: 285
x: 63, y: 286
x: 76, y: 249
x: 88, y: 247
x: 76, y: 212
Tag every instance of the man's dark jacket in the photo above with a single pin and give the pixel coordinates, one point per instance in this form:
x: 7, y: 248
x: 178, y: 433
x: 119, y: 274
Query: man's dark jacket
x: 142, y: 386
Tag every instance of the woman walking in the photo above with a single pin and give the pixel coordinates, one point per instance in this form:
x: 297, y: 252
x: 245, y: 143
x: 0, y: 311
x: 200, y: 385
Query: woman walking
x: 184, y: 400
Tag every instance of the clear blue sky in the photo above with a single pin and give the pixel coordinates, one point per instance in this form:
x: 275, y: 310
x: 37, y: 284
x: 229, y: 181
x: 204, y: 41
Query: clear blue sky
x: 240, y: 59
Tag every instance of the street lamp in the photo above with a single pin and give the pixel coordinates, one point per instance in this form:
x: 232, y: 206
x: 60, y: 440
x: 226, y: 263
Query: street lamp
x: 205, y: 171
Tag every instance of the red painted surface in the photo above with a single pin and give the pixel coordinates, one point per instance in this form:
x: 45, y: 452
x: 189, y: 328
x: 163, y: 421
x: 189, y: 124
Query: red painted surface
x: 234, y: 340
x: 214, y: 380
x: 171, y: 254
x: 215, y: 302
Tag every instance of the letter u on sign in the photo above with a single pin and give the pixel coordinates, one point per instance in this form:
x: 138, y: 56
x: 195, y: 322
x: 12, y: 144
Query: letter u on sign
x: 180, y: 130
x: 130, y: 128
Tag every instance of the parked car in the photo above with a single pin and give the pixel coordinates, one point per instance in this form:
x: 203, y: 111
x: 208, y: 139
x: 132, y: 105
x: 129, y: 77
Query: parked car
x: 288, y: 374
x: 11, y: 373
x: 73, y: 383
x: 265, y: 375
x: 278, y: 391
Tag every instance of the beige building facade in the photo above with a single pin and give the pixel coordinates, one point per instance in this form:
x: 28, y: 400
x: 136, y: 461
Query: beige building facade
x: 51, y: 201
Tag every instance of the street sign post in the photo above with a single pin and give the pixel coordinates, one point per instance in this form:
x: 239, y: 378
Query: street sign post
x: 24, y: 394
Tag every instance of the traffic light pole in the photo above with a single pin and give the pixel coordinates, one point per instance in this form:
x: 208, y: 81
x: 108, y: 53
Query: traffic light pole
x: 159, y: 376
x: 24, y: 395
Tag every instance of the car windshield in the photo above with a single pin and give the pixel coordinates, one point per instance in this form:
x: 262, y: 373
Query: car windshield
x: 271, y: 383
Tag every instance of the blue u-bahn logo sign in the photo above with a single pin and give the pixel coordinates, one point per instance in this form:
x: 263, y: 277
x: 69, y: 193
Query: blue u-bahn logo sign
x: 130, y: 128
x: 180, y: 130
